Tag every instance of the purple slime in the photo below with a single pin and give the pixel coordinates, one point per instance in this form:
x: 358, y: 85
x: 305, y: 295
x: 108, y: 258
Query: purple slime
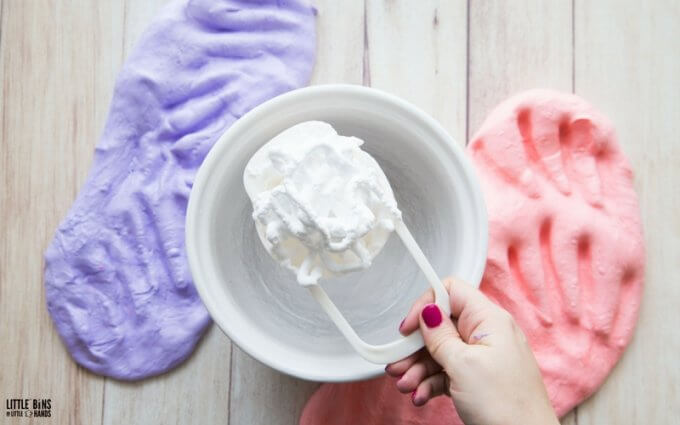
x: 117, y: 279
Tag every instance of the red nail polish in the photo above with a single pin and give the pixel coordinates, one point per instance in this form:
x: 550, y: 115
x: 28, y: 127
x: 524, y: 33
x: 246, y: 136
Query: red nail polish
x: 431, y: 315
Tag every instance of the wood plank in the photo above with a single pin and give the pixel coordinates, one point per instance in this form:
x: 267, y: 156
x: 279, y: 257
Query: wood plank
x: 514, y: 46
x: 259, y: 394
x: 418, y: 51
x: 627, y: 64
x: 54, y: 79
x: 339, y: 42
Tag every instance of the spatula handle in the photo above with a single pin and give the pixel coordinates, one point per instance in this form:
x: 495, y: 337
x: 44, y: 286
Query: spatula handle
x: 404, y: 346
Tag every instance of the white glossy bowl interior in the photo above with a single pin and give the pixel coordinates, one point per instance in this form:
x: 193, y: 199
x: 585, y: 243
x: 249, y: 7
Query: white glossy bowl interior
x: 259, y: 305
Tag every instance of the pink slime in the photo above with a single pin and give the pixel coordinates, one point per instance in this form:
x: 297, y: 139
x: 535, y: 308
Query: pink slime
x: 566, y: 256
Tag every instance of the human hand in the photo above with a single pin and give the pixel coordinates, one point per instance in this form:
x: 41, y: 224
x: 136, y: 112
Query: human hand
x: 481, y: 359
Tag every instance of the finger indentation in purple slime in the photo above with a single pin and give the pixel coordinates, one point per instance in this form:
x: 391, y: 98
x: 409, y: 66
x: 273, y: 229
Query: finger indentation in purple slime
x: 116, y: 275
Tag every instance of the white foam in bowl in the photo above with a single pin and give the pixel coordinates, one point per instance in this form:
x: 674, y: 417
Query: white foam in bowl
x: 260, y: 305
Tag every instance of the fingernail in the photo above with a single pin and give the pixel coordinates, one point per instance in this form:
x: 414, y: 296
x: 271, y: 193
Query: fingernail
x: 431, y: 315
x: 401, y: 325
x: 415, y: 400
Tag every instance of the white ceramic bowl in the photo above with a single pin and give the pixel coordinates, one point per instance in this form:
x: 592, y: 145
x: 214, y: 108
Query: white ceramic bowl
x: 259, y: 305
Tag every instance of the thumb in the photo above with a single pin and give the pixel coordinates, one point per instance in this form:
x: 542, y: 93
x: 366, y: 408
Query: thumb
x: 441, y: 336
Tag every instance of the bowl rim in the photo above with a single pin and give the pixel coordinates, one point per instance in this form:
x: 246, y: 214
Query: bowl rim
x: 212, y: 159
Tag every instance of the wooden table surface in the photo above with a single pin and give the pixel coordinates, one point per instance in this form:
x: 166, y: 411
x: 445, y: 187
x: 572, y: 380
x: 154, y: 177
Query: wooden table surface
x: 455, y: 59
